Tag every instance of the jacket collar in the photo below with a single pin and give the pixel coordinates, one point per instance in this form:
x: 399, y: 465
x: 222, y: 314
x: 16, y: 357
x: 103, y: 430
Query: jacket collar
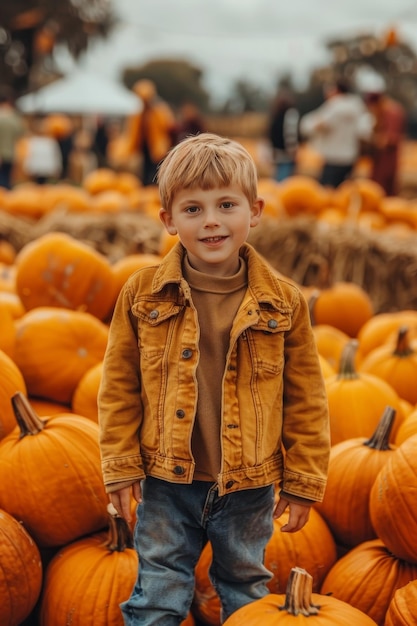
x: 264, y: 284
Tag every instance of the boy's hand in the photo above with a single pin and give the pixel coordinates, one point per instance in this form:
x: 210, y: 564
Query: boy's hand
x: 122, y: 500
x: 298, y: 515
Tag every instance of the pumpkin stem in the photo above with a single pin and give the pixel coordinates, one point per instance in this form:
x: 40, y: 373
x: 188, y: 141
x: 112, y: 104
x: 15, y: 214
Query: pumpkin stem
x: 380, y: 438
x: 347, y: 367
x: 298, y: 594
x: 403, y: 347
x: 119, y: 536
x: 27, y: 419
x: 311, y: 304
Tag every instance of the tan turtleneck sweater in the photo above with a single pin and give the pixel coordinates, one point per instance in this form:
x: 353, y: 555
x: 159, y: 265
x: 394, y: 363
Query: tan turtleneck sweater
x: 217, y: 300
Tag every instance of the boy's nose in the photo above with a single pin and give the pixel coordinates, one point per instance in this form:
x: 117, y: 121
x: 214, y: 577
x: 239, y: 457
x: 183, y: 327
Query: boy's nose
x: 211, y: 219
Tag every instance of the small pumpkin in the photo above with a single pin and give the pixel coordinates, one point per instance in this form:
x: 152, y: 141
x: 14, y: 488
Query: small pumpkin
x: 20, y: 571
x: 84, y: 398
x: 375, y: 331
x: 298, y: 607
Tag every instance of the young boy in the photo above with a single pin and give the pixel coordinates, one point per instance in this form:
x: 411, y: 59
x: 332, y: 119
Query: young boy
x: 211, y: 394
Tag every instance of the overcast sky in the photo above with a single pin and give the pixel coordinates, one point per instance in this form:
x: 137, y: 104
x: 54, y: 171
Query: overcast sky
x: 257, y: 40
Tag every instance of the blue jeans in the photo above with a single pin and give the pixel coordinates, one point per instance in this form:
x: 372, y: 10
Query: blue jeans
x: 173, y: 523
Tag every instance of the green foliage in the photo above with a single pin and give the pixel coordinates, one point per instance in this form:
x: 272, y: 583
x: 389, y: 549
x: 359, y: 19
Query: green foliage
x: 176, y: 81
x: 30, y: 29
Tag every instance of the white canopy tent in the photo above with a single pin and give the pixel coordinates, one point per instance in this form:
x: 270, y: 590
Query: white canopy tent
x: 82, y: 94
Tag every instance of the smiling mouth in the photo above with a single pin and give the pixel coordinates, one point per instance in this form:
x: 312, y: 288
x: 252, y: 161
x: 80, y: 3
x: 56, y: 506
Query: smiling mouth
x: 213, y: 239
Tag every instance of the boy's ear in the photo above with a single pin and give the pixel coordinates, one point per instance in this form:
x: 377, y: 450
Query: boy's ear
x: 257, y: 209
x: 166, y: 219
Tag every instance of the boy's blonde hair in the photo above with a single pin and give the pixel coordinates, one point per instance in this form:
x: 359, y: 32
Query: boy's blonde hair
x: 206, y: 161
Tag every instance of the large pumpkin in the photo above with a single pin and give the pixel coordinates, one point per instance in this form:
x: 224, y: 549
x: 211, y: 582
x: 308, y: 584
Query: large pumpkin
x: 313, y: 548
x: 58, y: 270
x: 298, y: 607
x: 353, y: 467
x: 20, y: 572
x: 393, y: 501
x: 55, y: 347
x: 367, y: 578
x: 50, y: 476
x: 357, y: 400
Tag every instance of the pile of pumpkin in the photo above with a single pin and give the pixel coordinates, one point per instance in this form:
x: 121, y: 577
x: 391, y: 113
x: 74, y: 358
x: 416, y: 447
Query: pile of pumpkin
x: 63, y: 552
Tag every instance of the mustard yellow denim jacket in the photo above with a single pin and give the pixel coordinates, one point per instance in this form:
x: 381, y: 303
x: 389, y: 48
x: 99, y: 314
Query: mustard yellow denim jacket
x: 273, y: 392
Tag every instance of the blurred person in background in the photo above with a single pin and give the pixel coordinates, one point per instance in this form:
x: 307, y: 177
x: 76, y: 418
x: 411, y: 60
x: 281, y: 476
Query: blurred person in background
x: 43, y: 159
x: 283, y: 134
x: 190, y: 121
x: 152, y: 131
x: 337, y: 130
x: 12, y: 129
x: 387, y: 137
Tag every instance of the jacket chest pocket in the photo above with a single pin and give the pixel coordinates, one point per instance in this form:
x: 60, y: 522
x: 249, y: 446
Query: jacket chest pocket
x: 155, y: 325
x: 267, y: 343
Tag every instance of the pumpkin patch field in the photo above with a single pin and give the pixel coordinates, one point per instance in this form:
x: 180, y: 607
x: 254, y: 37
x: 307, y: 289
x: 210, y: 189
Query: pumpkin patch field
x: 65, y: 252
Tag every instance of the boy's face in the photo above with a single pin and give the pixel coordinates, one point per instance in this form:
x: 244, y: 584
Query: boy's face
x: 212, y: 225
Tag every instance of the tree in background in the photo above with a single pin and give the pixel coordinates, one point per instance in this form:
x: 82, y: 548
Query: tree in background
x: 176, y: 81
x: 31, y: 29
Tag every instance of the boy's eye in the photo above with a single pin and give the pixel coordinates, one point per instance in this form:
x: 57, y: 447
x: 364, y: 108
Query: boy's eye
x: 192, y: 209
x: 227, y: 205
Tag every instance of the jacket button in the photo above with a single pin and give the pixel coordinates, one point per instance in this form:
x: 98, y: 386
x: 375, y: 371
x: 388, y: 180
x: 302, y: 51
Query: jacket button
x: 180, y: 413
x: 187, y: 353
x: 154, y: 314
x: 230, y: 484
x: 178, y: 470
x: 272, y: 323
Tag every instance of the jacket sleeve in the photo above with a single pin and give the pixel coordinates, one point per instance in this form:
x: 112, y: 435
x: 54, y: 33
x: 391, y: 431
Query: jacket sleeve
x: 119, y: 400
x: 306, y: 432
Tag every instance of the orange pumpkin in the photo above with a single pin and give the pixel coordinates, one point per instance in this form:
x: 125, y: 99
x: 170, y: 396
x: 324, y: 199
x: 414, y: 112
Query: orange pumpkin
x: 396, y: 364
x: 344, y: 305
x: 98, y: 180
x: 357, y: 400
x: 375, y: 331
x: 96, y: 571
x: 55, y: 347
x: 50, y: 476
x: 367, y: 578
x: 312, y: 547
x: 302, y: 195
x: 298, y: 607
x: 403, y: 606
x: 353, y: 467
x: 58, y: 270
x: 393, y: 502
x: 84, y: 398
x: 407, y: 429
x: 20, y: 571
x: 128, y: 264
x: 330, y: 343
x: 11, y: 380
